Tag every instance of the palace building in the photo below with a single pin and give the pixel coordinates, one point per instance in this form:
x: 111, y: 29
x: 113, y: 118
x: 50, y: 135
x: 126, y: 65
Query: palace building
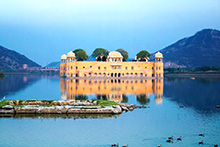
x: 112, y: 67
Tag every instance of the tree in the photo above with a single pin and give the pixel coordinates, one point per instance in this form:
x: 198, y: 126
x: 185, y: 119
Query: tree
x: 123, y: 52
x: 80, y: 54
x: 143, y: 55
x: 100, y: 52
x: 1, y: 74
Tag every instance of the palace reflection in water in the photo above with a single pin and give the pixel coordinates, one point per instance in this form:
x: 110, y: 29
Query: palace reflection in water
x: 112, y: 89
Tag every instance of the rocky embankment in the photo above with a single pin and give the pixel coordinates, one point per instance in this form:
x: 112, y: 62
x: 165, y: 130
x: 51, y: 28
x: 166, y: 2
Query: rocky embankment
x: 65, y: 107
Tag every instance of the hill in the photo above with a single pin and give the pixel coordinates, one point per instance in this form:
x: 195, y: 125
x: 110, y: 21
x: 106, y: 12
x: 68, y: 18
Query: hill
x: 201, y: 49
x: 12, y: 60
x: 54, y: 64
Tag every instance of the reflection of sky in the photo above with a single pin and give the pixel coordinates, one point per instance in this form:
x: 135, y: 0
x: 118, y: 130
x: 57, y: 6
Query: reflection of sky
x: 45, y: 29
x: 141, y: 127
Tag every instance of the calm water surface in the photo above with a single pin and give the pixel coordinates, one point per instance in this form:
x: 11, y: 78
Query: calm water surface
x: 142, y: 127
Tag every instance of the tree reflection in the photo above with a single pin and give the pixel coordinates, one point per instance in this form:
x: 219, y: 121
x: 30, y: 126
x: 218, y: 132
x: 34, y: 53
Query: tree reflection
x: 101, y: 97
x: 142, y: 99
x: 81, y: 97
x: 124, y: 99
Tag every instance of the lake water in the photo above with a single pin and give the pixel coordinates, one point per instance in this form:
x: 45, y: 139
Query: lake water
x: 141, y: 127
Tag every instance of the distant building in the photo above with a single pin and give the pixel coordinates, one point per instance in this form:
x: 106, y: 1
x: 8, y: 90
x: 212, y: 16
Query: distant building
x: 113, y: 66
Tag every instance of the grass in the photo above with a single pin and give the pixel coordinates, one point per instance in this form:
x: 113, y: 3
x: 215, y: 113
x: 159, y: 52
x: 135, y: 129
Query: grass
x: 4, y: 103
x: 49, y: 101
x: 104, y: 103
x: 101, y: 103
x: 19, y: 106
x: 30, y: 100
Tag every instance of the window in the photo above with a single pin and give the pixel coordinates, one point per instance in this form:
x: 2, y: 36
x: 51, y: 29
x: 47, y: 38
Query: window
x: 126, y: 67
x: 156, y: 68
x: 132, y: 67
x: 83, y: 66
x: 76, y: 67
x: 71, y: 67
x: 104, y: 67
x: 99, y: 67
x: 159, y: 68
x: 152, y: 68
x: 145, y: 67
x: 90, y: 66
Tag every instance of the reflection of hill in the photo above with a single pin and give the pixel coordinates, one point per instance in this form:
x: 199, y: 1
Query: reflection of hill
x: 201, y: 94
x: 14, y: 83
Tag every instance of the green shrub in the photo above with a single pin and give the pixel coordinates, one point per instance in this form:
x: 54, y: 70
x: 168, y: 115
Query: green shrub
x: 4, y: 103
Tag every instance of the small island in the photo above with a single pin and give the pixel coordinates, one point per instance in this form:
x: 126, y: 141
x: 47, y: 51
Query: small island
x: 64, y: 107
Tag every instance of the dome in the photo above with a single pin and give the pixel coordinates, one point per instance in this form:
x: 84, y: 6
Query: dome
x: 63, y: 57
x: 158, y: 55
x: 115, y: 54
x: 71, y: 54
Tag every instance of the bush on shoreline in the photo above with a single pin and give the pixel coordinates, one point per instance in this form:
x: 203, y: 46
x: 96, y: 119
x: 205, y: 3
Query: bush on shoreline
x: 202, y: 69
x: 1, y: 74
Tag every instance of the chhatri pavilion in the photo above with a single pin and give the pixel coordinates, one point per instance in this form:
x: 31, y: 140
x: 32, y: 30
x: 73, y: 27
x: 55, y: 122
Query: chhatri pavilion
x: 112, y: 67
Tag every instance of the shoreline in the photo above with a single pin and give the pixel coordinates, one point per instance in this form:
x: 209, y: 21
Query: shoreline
x: 190, y: 75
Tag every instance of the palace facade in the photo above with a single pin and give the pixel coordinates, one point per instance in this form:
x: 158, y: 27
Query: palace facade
x: 112, y: 67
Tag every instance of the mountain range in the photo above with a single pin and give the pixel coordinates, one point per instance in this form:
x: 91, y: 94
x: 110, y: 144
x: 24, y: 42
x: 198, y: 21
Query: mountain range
x: 12, y: 60
x: 201, y: 49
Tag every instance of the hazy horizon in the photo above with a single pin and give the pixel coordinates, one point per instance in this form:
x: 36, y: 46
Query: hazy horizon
x: 44, y: 30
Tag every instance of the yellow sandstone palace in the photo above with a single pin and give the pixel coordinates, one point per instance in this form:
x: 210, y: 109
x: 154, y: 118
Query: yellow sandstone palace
x: 113, y: 67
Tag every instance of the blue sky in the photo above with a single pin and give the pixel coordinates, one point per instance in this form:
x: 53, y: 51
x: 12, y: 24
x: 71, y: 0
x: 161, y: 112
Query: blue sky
x: 45, y: 29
